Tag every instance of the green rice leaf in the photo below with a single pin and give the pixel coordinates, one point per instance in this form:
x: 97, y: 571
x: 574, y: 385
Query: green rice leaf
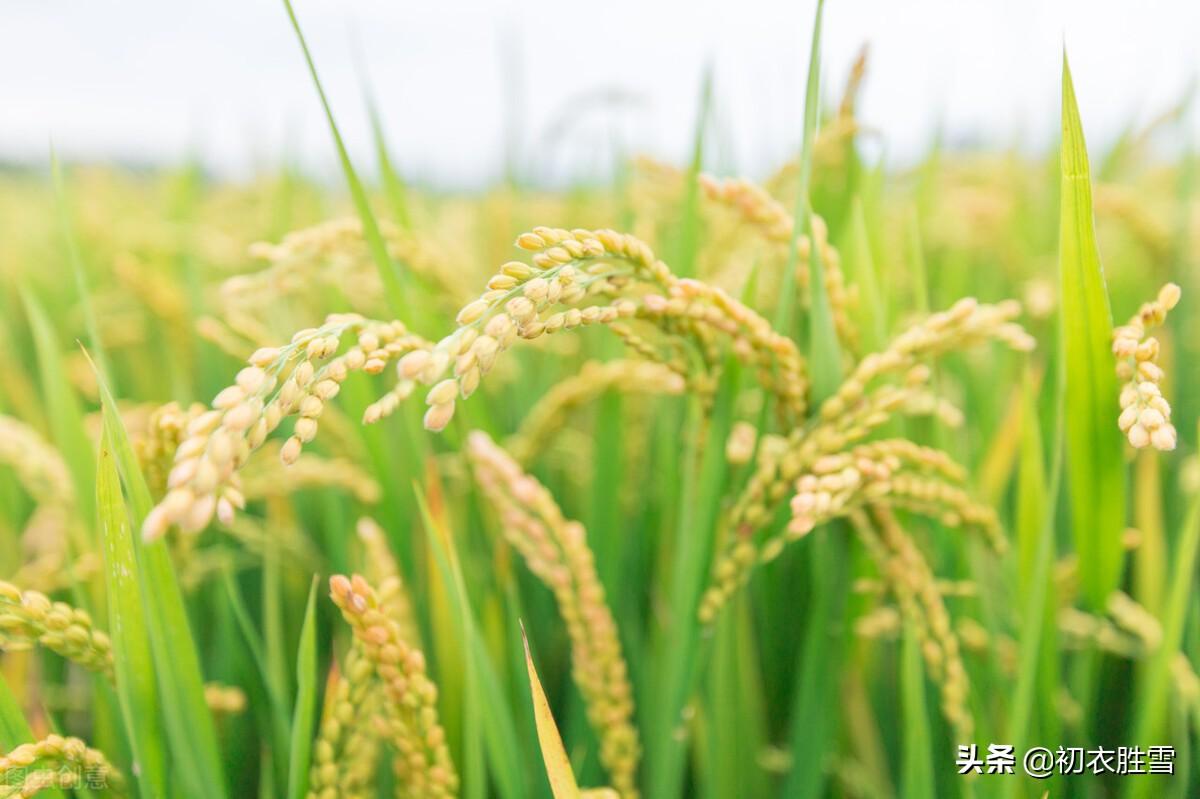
x: 394, y: 279
x: 486, y: 727
x: 1094, y: 461
x: 861, y: 269
x: 304, y: 716
x: 678, y: 651
x: 1155, y: 686
x: 132, y: 658
x: 191, y: 736
x: 917, y: 769
x: 393, y: 185
x: 14, y: 729
x: 688, y: 233
x: 278, y: 710
x: 71, y: 244
x: 63, y: 407
x: 1036, y: 506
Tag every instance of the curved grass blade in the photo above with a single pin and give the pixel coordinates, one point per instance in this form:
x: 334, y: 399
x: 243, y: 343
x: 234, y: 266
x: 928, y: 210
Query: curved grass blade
x: 917, y: 769
x: 1036, y: 511
x: 258, y: 652
x: 63, y: 408
x: 132, y: 658
x: 14, y: 729
x: 306, y: 701
x: 558, y: 765
x: 1153, y: 696
x: 71, y: 244
x: 1094, y: 459
x: 394, y: 279
x: 487, y: 726
x: 191, y: 736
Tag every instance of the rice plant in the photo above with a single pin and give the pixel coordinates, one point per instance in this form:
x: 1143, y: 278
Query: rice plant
x: 837, y: 481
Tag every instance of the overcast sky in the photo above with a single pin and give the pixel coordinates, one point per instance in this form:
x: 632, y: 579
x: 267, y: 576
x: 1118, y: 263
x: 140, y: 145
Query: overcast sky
x: 152, y: 81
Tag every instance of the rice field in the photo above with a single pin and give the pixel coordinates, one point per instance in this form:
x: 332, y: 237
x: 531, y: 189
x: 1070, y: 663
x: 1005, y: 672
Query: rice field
x: 845, y: 480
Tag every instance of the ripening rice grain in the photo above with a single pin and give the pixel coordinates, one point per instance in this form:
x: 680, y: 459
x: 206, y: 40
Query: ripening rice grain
x: 1145, y: 414
x: 37, y: 465
x: 204, y: 480
x: 768, y: 215
x: 890, y: 472
x: 58, y: 762
x: 30, y: 617
x: 225, y: 700
x: 422, y: 760
x: 344, y: 753
x: 907, y: 573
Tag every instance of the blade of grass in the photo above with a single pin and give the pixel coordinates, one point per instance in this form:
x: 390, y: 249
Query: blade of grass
x: 861, y: 270
x: 558, y: 765
x: 818, y: 675
x: 826, y: 365
x: 1155, y: 685
x: 275, y: 696
x: 735, y: 701
x: 1150, y: 574
x: 687, y: 243
x: 132, y: 658
x: 71, y: 244
x: 63, y: 408
x: 1036, y: 513
x: 394, y: 279
x: 917, y: 768
x: 190, y: 732
x: 304, y: 716
x: 393, y: 185
x: 687, y: 563
x: 1094, y: 459
x: 14, y: 729
x: 487, y: 727
x: 819, y: 671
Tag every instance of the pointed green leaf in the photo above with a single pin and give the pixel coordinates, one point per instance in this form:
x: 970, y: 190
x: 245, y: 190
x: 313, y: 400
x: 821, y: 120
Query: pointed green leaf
x: 1094, y: 462
x: 14, y: 729
x: 389, y: 272
x: 192, y: 738
x: 306, y: 700
x: 63, y: 407
x: 132, y: 659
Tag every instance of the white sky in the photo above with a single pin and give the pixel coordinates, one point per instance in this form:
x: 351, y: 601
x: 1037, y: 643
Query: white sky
x: 147, y: 80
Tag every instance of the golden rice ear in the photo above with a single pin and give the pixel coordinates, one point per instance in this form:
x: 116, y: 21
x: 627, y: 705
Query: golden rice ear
x: 38, y: 466
x: 919, y: 596
x: 345, y: 756
x: 58, y: 762
x: 409, y: 718
x: 766, y: 215
x: 29, y: 618
x: 1145, y: 414
x: 298, y: 379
